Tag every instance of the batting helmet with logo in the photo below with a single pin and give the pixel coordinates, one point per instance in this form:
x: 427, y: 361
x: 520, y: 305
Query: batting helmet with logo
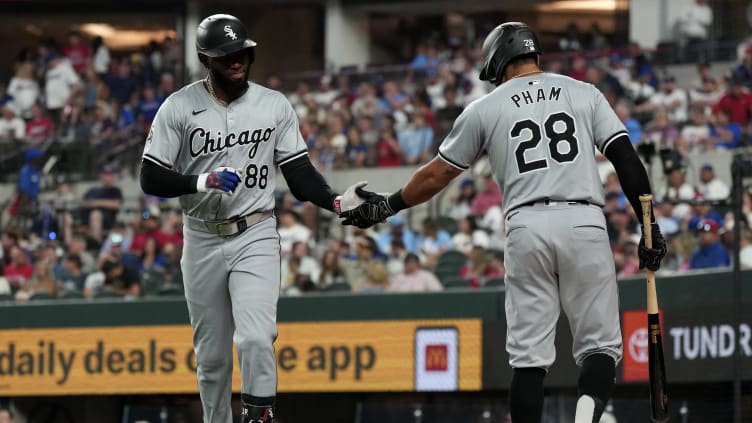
x: 219, y: 35
x: 504, y: 43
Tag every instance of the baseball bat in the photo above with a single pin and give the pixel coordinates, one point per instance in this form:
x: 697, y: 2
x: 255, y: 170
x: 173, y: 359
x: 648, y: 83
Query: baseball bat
x: 656, y: 364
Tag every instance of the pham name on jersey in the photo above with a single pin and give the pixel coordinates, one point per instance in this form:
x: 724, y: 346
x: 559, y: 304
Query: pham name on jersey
x: 536, y: 96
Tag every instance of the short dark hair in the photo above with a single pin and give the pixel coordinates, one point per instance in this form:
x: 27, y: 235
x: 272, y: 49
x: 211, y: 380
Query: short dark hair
x: 412, y: 257
x: 75, y: 258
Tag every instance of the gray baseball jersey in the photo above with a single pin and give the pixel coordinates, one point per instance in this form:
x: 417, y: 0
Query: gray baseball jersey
x: 540, y: 133
x: 193, y: 134
x: 231, y: 283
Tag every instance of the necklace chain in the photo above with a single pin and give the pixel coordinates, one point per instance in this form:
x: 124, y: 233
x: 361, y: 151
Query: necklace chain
x: 210, y: 88
x: 527, y: 73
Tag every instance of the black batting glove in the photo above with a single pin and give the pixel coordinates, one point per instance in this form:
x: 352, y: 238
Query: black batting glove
x: 375, y: 209
x: 651, y: 257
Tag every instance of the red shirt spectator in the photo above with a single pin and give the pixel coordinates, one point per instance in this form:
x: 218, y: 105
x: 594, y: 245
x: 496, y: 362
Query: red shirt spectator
x: 389, y: 150
x: 738, y: 101
x: 20, y: 269
x: 77, y: 52
x: 39, y: 128
x: 489, y: 197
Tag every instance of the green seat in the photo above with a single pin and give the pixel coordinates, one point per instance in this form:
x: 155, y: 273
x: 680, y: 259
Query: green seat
x: 41, y: 296
x: 456, y: 283
x: 452, y: 258
x: 337, y: 287
x: 6, y: 297
x: 494, y: 282
x: 448, y: 224
x: 71, y: 295
x: 171, y: 290
x: 106, y: 294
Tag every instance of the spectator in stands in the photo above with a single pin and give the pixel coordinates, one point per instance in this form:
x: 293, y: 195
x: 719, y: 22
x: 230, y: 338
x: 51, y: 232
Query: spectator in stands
x: 39, y: 129
x: 674, y: 100
x: 634, y: 129
x: 121, y: 84
x: 695, y: 134
x: 702, y: 211
x: 396, y: 230
x: 376, y: 280
x: 365, y: 251
x: 711, y: 253
x: 42, y: 281
x: 147, y: 226
x: 100, y: 205
x: 724, y: 133
x: 24, y: 89
x: 426, y: 57
x: 745, y: 252
x: 446, y: 115
x: 151, y: 258
x: 389, y: 149
x: 497, y: 265
x: 395, y: 262
x: 293, y: 282
x: 572, y: 39
x: 692, y: 27
x: 331, y: 269
x: 120, y: 279
x: 290, y: 231
x: 326, y: 94
x: 469, y: 235
x: 677, y: 189
x: 76, y: 245
x: 664, y: 216
x: 393, y: 98
x: 6, y: 416
x: 91, y: 87
x: 309, y: 266
x: 148, y: 106
x: 356, y: 152
x: 20, y: 269
x: 578, y: 69
x: 12, y: 127
x: 416, y: 141
x: 366, y: 103
x: 61, y: 82
x: 29, y: 185
x: 631, y: 263
x: 432, y: 241
x: 488, y: 197
x: 414, y: 278
x: 661, y: 131
x: 73, y: 276
x: 77, y: 52
x: 461, y: 203
x: 737, y: 100
x: 8, y: 240
x: 101, y: 57
x: 706, y: 95
x: 478, y: 268
x: 710, y: 186
x: 101, y: 130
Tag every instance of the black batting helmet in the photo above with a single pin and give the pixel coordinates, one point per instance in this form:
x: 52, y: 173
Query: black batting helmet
x: 219, y: 35
x: 504, y: 43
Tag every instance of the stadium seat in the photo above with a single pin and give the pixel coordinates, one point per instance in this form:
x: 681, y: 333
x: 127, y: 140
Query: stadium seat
x: 70, y: 294
x: 455, y: 283
x: 106, y: 294
x: 452, y: 258
x: 41, y: 296
x: 494, y: 282
x: 337, y: 287
x: 6, y: 297
x: 171, y: 290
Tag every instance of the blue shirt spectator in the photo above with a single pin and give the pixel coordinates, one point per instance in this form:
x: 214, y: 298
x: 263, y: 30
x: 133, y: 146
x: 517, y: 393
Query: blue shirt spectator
x: 417, y: 143
x: 723, y: 132
x: 28, y: 178
x: 397, y: 229
x: 711, y: 252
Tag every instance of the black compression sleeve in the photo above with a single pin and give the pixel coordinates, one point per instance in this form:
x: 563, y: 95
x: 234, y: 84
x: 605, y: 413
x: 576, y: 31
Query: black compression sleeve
x: 307, y: 184
x: 632, y: 175
x: 156, y: 180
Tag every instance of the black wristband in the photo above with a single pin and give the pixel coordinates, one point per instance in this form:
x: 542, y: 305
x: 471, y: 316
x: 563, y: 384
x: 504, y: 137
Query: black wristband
x: 396, y: 202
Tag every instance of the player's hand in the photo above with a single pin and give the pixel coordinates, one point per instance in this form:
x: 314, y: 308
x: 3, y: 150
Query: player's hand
x: 374, y: 209
x: 651, y: 257
x: 220, y: 180
x: 349, y: 199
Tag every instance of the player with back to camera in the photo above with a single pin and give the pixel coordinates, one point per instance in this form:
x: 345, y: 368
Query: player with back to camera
x: 540, y: 131
x: 216, y: 145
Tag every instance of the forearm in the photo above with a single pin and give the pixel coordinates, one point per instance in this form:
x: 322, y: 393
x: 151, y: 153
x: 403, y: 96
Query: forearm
x: 307, y: 184
x: 423, y: 185
x: 162, y: 182
x: 632, y: 174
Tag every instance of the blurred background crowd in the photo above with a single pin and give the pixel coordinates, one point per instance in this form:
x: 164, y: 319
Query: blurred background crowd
x: 74, y: 112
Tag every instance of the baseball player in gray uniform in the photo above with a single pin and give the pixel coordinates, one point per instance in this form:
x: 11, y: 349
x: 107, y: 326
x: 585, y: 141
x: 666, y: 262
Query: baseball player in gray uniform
x: 216, y: 144
x: 540, y: 132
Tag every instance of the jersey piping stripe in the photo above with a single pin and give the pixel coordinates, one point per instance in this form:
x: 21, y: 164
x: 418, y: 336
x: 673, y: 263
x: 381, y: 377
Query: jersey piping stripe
x: 293, y: 157
x: 446, y: 159
x: 613, y: 137
x: 157, y: 161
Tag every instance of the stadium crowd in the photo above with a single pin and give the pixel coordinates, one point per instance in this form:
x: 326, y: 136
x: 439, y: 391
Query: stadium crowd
x: 91, y: 109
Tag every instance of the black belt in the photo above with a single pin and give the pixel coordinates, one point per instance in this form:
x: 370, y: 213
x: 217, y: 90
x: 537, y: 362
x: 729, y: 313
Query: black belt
x: 228, y: 227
